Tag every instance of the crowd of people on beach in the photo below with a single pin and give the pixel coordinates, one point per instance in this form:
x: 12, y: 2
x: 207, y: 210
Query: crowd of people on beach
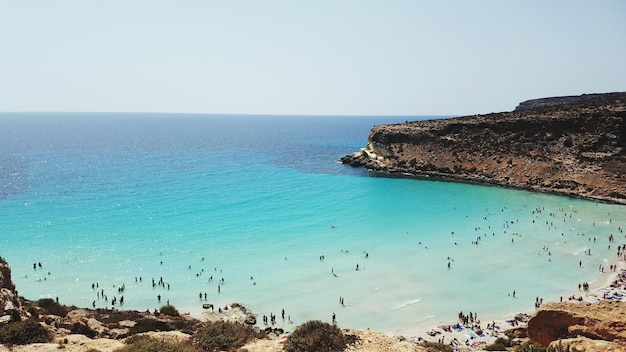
x: 616, y: 290
x: 469, y: 321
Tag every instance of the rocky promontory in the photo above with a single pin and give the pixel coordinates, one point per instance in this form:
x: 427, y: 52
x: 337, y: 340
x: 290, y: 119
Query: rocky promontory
x: 572, y: 146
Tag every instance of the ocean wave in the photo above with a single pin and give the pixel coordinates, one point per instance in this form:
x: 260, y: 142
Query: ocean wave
x: 406, y: 304
x: 580, y: 251
x: 428, y: 317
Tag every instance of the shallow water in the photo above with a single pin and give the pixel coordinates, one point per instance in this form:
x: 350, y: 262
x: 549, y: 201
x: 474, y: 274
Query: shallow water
x: 256, y: 200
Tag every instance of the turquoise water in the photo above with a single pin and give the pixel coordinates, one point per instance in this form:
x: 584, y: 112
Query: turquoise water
x: 256, y: 200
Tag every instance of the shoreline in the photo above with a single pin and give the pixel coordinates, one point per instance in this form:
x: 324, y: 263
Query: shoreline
x: 472, y: 336
x: 383, y: 171
x: 596, y: 291
x: 466, y: 336
x: 469, y: 336
x: 515, y: 149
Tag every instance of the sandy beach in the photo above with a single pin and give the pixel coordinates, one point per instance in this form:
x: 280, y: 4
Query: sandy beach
x: 609, y: 285
x: 469, y: 337
x: 473, y: 335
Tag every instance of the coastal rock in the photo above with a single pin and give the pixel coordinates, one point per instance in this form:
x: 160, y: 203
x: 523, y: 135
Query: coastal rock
x: 250, y: 320
x: 5, y: 276
x: 603, y: 321
x: 583, y: 344
x: 571, y: 146
x: 10, y: 305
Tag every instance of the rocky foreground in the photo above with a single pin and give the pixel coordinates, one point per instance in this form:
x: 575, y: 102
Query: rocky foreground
x: 572, y: 146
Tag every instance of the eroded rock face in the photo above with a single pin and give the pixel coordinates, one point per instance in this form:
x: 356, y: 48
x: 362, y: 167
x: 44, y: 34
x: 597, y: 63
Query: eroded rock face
x: 570, y: 145
x: 604, y: 321
x: 583, y: 344
x: 5, y: 276
x: 10, y: 305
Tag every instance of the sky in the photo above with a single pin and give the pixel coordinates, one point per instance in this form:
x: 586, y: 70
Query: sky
x: 309, y: 57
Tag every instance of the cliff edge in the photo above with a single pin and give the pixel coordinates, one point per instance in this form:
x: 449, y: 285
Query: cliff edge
x: 592, y: 327
x: 11, y: 308
x: 572, y: 146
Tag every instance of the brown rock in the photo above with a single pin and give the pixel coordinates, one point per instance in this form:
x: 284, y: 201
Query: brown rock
x: 583, y: 344
x: 600, y: 321
x: 10, y: 305
x: 5, y: 276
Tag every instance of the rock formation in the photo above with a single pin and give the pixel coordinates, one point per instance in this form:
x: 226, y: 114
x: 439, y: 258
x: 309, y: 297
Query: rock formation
x: 572, y: 146
x: 10, y: 304
x: 602, y: 325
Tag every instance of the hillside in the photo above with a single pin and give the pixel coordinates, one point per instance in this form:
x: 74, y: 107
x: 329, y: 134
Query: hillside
x: 572, y: 146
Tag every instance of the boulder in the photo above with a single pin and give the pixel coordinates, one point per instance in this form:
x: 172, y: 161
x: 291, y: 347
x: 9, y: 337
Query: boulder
x: 250, y: 320
x: 603, y: 321
x: 583, y: 344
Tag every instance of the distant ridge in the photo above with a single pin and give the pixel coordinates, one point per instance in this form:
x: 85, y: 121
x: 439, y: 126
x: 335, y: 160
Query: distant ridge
x: 585, y: 100
x: 571, y: 145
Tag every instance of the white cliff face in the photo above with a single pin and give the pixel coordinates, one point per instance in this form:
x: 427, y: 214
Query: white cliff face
x: 379, y: 150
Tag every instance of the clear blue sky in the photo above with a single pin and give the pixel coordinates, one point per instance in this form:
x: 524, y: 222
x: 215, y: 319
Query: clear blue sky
x: 362, y: 57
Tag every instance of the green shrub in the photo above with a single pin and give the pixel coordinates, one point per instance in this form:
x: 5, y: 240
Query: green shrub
x: 146, y: 325
x: 526, y: 347
x: 559, y: 348
x: 500, y: 344
x: 436, y: 347
x: 50, y: 306
x: 169, y: 310
x: 314, y: 336
x: 23, y: 333
x: 83, y: 329
x: 147, y: 344
x: 32, y: 309
x: 223, y: 336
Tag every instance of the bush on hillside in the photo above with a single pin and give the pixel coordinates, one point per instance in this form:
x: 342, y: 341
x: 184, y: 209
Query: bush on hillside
x: 82, y: 329
x: 500, y: 344
x: 148, y: 344
x: 169, y: 310
x: 526, y: 347
x: 146, y: 325
x: 436, y: 347
x: 51, y: 307
x: 314, y: 336
x: 23, y: 333
x: 224, y: 336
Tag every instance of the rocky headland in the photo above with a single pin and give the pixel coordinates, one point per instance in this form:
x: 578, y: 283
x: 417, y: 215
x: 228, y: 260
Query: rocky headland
x: 572, y: 146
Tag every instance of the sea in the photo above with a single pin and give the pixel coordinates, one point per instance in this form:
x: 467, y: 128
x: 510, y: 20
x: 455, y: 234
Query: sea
x: 193, y: 209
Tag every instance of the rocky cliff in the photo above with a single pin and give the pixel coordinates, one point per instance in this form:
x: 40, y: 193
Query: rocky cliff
x: 596, y: 327
x: 10, y: 304
x: 567, y: 145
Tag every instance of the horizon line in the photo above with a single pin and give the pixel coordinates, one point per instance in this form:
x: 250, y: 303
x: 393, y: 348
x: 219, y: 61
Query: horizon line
x: 229, y: 114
